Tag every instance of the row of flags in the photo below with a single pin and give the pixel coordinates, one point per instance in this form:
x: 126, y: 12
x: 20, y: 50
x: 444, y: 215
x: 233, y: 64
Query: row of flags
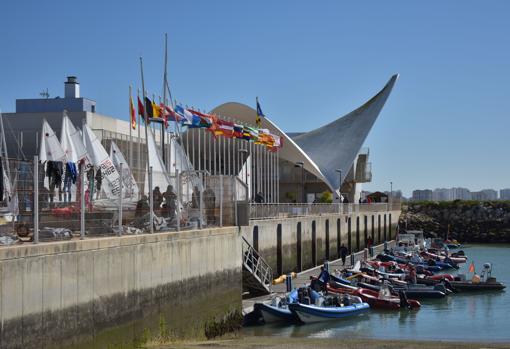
x: 195, y: 119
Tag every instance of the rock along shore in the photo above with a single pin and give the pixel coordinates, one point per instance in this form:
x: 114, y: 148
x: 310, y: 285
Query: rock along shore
x: 467, y: 221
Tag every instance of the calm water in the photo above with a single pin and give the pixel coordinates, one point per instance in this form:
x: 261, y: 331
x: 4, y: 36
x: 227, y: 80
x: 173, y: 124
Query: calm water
x: 463, y: 317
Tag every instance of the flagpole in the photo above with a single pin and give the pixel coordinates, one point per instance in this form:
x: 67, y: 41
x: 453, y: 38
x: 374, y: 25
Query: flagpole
x: 278, y: 176
x: 146, y: 129
x: 139, y: 156
x: 131, y: 105
x: 274, y: 178
x: 165, y: 69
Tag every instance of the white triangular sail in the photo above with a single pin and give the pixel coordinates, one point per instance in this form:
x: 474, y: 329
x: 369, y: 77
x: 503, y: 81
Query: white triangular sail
x: 100, y: 160
x: 50, y: 149
x: 245, y: 175
x: 10, y: 195
x: 180, y: 161
x: 130, y: 188
x: 71, y: 141
x: 160, y: 177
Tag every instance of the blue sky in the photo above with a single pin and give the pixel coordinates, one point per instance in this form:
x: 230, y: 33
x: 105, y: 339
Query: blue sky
x: 446, y: 124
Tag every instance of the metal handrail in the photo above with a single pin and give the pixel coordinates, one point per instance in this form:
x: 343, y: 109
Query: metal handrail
x: 257, y: 265
x: 285, y: 210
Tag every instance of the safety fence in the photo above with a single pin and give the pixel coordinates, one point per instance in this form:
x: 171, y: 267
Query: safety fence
x: 284, y: 210
x: 50, y: 201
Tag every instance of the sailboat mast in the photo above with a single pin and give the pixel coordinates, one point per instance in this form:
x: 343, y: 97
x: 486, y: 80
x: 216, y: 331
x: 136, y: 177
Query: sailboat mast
x: 163, y: 128
x: 165, y: 69
x: 3, y: 153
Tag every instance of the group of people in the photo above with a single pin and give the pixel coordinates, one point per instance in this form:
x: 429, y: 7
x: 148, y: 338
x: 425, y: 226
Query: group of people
x: 57, y: 175
x: 165, y: 204
x: 60, y: 179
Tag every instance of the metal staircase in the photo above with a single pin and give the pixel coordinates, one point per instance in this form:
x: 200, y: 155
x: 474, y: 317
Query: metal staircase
x: 257, y: 274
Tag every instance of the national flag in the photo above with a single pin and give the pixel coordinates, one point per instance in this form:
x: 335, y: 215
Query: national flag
x: 264, y: 137
x: 148, y: 108
x: 201, y: 120
x: 277, y: 143
x: 132, y: 112
x: 226, y: 128
x: 156, y: 112
x: 238, y: 131
x: 166, y: 113
x: 472, y: 267
x: 260, y: 114
x: 170, y: 113
x: 185, y: 115
x: 254, y: 133
x: 246, y: 133
x: 214, y: 125
x: 141, y: 109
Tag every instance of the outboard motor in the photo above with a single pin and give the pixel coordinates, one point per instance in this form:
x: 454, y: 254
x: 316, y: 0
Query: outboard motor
x: 486, y: 272
x: 288, y: 282
x: 404, y: 303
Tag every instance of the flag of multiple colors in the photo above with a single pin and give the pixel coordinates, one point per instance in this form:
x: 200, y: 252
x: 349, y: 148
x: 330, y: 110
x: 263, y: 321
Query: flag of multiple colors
x: 260, y: 114
x: 195, y: 119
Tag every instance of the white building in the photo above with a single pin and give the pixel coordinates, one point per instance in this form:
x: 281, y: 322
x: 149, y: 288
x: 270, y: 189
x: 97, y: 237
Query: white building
x: 504, y: 194
x: 460, y: 194
x: 422, y: 195
x: 442, y: 194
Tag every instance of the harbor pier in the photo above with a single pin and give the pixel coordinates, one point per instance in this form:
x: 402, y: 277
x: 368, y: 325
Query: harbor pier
x: 109, y: 291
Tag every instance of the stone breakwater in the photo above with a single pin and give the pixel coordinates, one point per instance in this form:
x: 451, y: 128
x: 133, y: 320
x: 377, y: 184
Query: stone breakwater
x: 468, y: 221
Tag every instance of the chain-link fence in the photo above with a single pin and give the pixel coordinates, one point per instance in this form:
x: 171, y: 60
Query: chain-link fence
x: 80, y: 202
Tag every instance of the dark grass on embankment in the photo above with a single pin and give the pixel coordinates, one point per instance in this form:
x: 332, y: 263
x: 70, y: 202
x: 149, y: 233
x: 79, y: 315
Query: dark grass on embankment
x: 320, y: 343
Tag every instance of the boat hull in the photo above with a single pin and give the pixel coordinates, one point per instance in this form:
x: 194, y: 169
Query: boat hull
x: 272, y: 314
x: 393, y: 303
x: 468, y: 286
x: 311, y: 313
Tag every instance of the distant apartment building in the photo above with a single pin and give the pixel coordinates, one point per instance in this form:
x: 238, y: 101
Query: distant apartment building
x: 422, y: 195
x: 491, y: 194
x: 485, y: 195
x: 504, y: 194
x: 442, y: 194
x: 460, y: 194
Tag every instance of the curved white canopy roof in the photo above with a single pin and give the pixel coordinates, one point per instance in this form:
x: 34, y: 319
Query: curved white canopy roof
x: 327, y: 148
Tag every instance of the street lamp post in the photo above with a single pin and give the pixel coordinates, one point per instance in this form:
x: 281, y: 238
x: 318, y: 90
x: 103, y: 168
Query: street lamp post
x: 301, y: 164
x: 391, y: 194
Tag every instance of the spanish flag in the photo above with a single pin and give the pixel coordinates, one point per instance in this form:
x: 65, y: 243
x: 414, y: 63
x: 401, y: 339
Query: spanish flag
x: 132, y: 113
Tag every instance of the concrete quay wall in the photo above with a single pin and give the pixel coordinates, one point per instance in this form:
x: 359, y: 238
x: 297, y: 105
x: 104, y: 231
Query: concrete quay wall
x: 107, y: 292
x: 299, y: 243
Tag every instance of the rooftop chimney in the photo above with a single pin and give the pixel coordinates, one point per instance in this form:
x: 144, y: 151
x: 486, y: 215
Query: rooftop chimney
x: 72, y: 87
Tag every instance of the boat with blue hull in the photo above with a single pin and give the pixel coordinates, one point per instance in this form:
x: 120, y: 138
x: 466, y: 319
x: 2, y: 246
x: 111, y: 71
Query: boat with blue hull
x: 277, y: 310
x: 314, y: 313
x: 272, y: 313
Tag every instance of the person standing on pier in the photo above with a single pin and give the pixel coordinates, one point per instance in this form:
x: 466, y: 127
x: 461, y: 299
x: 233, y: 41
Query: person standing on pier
x: 343, y: 253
